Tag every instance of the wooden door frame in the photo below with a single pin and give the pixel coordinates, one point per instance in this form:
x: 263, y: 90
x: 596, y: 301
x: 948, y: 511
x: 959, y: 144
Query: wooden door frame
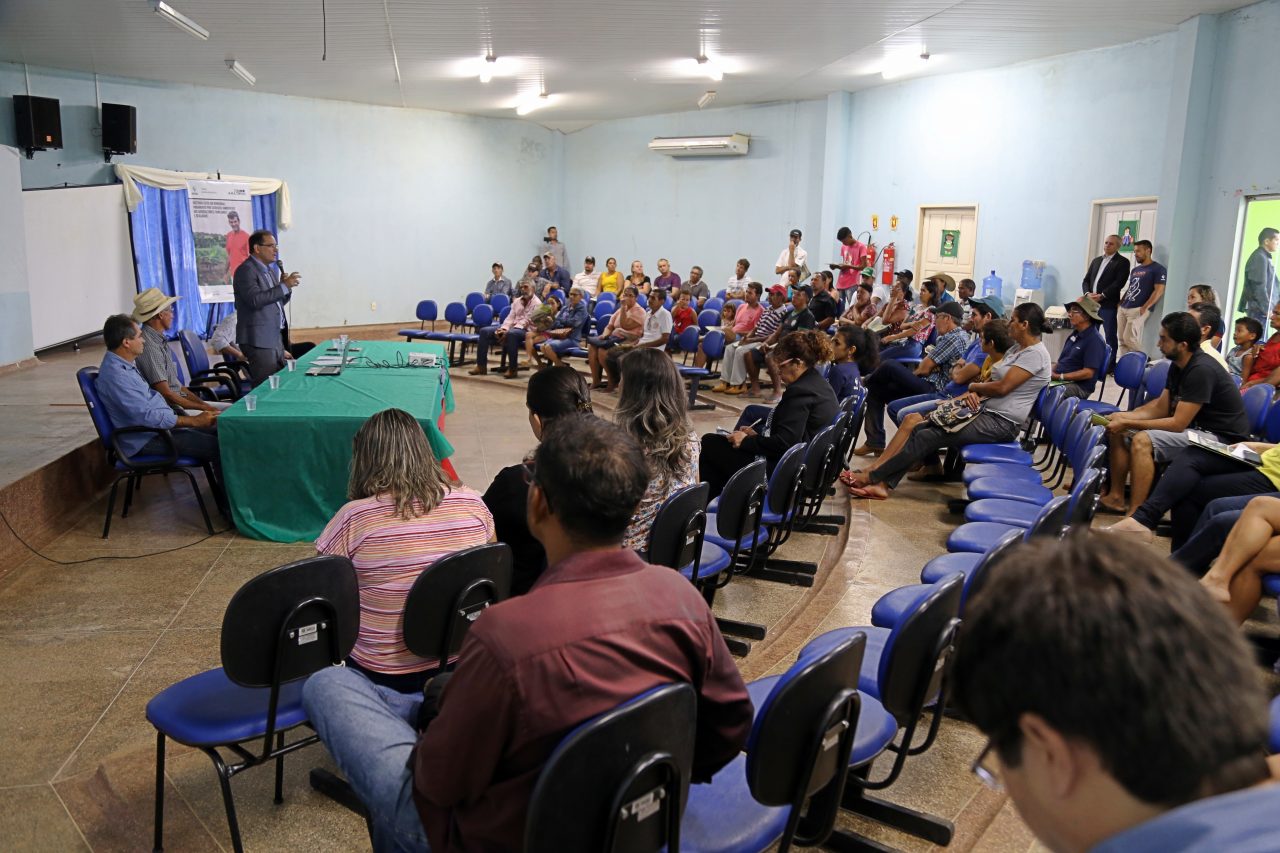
x: 920, y: 214
x: 1095, y: 219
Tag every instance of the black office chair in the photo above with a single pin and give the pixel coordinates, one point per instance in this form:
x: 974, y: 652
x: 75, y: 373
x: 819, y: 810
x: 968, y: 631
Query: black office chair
x: 442, y: 603
x: 618, y: 782
x: 279, y: 628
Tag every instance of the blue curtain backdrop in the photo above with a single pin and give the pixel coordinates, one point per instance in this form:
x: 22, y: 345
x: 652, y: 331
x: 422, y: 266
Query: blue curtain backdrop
x: 165, y: 253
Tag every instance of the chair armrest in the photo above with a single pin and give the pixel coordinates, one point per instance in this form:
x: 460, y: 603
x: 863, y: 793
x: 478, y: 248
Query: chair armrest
x: 172, y: 449
x: 227, y: 379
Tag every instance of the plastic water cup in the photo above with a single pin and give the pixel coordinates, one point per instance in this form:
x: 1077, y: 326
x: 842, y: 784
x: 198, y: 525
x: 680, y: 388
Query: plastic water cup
x: 337, y: 343
x: 274, y: 380
x: 250, y: 402
x: 290, y: 365
x: 342, y: 340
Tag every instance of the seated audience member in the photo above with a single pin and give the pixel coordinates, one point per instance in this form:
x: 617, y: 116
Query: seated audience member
x: 1241, y: 357
x: 1202, y: 546
x: 894, y: 380
x: 1201, y: 293
x: 727, y: 316
x: 153, y: 311
x: 610, y: 279
x: 745, y: 331
x: 667, y: 280
x: 587, y: 280
x: 699, y: 292
x: 556, y: 275
x: 1211, y: 330
x: 1001, y: 405
x: 639, y: 280
x: 1266, y: 365
x: 401, y: 516
x: 598, y: 628
x: 912, y: 332
x: 1122, y: 710
x: 965, y: 288
x: 806, y: 406
x: 1084, y: 348
x: 624, y: 327
x: 551, y: 394
x: 824, y: 306
x: 1195, y: 477
x: 653, y: 409
x: 1251, y: 550
x: 498, y: 284
x: 894, y: 308
x: 946, y: 284
x: 1197, y: 395
x: 657, y: 333
x: 855, y: 353
x: 737, y: 286
x: 797, y: 319
x: 130, y: 402
x: 539, y: 323
x: 510, y: 334
x: 568, y: 328
x: 682, y: 313
x: 223, y: 339
x: 881, y: 294
x: 861, y: 309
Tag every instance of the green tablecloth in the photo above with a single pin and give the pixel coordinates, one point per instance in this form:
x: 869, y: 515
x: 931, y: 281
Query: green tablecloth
x: 286, y: 464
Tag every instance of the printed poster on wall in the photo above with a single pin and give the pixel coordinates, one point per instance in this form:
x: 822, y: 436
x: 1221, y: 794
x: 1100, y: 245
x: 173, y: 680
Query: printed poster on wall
x: 950, y: 243
x: 1128, y: 231
x: 221, y: 222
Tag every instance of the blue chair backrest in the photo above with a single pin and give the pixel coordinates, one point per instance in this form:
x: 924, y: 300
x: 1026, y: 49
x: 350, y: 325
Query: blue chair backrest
x: 667, y: 303
x: 559, y: 293
x: 427, y: 310
x: 1130, y: 369
x: 973, y: 580
x: 456, y: 313
x: 1157, y: 376
x: 499, y: 301
x: 86, y: 377
x: 1047, y: 403
x: 607, y: 296
x: 909, y: 665
x: 713, y: 346
x: 482, y: 314
x: 1061, y: 421
x: 721, y: 294
x: 1080, y: 454
x: 734, y: 303
x: 177, y: 365
x: 1256, y: 402
x: 502, y: 315
x: 604, y: 310
x: 1084, y: 499
x: 1100, y: 367
x: 688, y: 340
x: 708, y: 317
x: 1052, y: 518
x: 713, y: 304
x: 784, y: 478
x: 193, y: 351
x: 642, y: 300
x: 1272, y: 426
x: 740, y: 501
x: 473, y: 299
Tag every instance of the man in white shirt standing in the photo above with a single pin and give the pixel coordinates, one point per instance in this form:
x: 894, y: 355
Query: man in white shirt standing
x: 1104, y: 283
x: 588, y: 279
x: 792, y: 258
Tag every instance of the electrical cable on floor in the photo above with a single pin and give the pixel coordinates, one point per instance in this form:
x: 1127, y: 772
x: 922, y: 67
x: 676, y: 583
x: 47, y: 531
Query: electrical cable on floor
x: 111, y: 557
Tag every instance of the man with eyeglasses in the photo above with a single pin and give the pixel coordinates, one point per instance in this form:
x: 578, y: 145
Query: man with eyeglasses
x: 261, y: 295
x: 1123, y: 709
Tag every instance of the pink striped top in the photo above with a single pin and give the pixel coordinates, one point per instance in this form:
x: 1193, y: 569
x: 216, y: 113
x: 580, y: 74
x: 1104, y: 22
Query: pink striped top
x: 389, y: 553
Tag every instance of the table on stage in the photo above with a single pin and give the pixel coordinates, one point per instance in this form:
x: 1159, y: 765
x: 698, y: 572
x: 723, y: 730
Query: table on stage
x: 286, y: 464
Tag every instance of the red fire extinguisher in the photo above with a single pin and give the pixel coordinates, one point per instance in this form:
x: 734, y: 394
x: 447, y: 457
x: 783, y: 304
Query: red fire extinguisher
x: 869, y: 256
x: 886, y: 274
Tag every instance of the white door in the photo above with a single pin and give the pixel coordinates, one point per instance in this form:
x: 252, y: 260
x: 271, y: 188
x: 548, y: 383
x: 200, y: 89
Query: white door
x: 1133, y: 219
x: 945, y: 241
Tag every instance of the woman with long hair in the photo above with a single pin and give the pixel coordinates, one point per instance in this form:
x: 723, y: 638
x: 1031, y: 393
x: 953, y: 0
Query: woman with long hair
x: 401, y: 516
x: 856, y: 352
x: 652, y: 407
x: 552, y: 393
x: 808, y: 404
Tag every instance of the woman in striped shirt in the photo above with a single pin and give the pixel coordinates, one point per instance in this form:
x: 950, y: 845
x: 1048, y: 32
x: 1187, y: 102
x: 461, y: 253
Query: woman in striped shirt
x: 401, y: 517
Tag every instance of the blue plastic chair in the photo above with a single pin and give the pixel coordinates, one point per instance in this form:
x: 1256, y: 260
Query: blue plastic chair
x: 713, y: 304
x: 642, y: 300
x: 256, y: 695
x: 713, y: 348
x: 708, y: 317
x: 481, y: 316
x: 1129, y: 374
x: 1275, y: 725
x: 499, y: 301
x: 1016, y: 513
x: 426, y: 312
x: 806, y: 724
x: 1154, y: 380
x: 1257, y: 402
x: 132, y: 468
x: 722, y: 293
x: 1088, y: 453
x: 473, y: 299
x: 200, y: 372
x: 978, y: 537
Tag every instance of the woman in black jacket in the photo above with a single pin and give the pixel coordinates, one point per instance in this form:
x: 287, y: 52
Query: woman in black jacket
x: 806, y: 407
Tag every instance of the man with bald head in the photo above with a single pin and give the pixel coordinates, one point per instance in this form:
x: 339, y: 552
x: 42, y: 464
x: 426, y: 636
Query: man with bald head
x: 1103, y: 283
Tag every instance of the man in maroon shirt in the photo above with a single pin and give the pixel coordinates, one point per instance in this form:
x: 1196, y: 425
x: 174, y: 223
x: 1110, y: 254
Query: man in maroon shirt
x: 598, y: 627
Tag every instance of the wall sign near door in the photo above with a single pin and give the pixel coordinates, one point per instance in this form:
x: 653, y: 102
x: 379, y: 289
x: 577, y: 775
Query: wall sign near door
x: 950, y: 243
x: 1128, y: 230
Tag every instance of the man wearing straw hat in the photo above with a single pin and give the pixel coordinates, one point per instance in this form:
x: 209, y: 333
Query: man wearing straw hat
x: 1077, y: 366
x: 153, y: 311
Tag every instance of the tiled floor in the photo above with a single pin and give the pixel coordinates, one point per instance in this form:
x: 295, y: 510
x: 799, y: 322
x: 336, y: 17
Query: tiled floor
x: 83, y: 647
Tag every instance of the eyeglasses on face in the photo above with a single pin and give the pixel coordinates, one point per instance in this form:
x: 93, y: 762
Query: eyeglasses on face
x: 985, y: 769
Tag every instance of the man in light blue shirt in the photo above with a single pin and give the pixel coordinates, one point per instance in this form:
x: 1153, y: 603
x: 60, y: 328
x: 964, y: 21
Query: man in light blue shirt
x: 1123, y: 709
x: 130, y: 402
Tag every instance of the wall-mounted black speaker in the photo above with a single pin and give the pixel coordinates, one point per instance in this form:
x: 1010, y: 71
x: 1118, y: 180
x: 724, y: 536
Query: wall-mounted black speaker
x: 119, y: 129
x: 38, y: 122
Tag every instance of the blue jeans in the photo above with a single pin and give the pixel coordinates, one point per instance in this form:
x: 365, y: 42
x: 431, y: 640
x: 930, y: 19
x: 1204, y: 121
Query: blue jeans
x: 370, y: 733
x: 892, y: 380
x: 918, y: 403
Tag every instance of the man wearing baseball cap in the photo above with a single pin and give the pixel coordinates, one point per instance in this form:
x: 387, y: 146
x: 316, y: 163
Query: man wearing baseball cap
x: 792, y: 258
x: 733, y: 367
x: 153, y: 311
x: 1082, y: 355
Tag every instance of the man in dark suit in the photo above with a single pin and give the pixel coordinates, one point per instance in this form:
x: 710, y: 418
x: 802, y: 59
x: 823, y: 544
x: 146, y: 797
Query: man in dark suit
x: 260, y: 300
x: 1103, y: 283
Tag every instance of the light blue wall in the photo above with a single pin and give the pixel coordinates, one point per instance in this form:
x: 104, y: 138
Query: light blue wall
x: 1032, y: 145
x: 15, y: 301
x: 390, y: 205
x: 622, y: 199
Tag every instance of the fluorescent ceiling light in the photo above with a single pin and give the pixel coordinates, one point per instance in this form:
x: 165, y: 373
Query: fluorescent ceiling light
x: 707, y: 97
x: 486, y: 68
x: 900, y: 66
x: 535, y: 103
x: 179, y: 20
x: 241, y: 72
x: 711, y: 69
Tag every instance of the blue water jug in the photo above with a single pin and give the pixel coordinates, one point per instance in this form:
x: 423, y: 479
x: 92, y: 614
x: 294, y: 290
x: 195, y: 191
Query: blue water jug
x: 993, y: 285
x: 1032, y: 275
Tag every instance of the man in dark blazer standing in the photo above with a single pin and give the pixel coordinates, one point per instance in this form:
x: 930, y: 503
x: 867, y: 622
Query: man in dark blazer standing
x: 260, y: 300
x: 1103, y: 283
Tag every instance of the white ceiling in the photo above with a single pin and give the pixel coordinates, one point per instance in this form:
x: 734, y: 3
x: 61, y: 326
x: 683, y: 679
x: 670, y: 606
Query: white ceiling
x: 598, y: 59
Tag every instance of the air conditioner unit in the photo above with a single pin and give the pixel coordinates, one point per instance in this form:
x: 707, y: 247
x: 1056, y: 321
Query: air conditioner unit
x: 733, y: 145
